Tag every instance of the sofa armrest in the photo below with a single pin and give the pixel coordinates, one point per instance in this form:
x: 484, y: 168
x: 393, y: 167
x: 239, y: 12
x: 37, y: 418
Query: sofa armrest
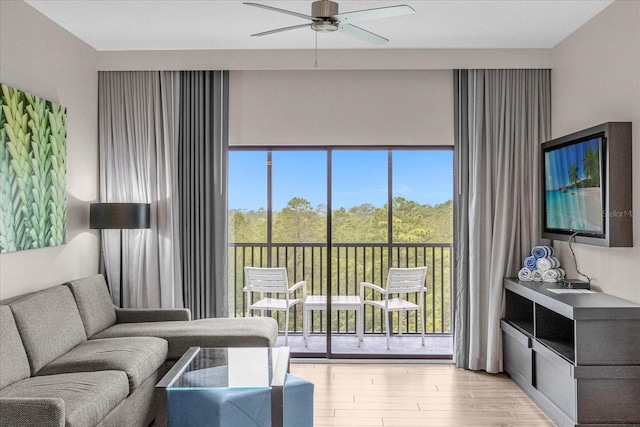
x: 31, y: 411
x: 137, y: 315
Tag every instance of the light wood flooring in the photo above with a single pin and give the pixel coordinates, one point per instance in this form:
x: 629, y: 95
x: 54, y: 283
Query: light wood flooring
x: 416, y: 395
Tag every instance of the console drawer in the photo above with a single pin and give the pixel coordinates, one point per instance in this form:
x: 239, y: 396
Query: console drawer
x: 518, y: 355
x: 555, y: 379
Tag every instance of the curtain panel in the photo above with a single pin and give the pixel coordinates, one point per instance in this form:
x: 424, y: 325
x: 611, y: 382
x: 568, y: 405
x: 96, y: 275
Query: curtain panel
x: 500, y: 117
x: 202, y: 176
x: 138, y: 125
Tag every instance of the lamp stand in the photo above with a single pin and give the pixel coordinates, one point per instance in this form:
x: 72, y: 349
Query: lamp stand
x: 121, y: 270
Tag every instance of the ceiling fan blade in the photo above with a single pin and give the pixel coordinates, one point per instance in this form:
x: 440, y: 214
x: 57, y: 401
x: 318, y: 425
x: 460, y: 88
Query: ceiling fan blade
x: 362, y: 34
x: 278, y: 30
x: 275, y: 9
x: 368, y: 14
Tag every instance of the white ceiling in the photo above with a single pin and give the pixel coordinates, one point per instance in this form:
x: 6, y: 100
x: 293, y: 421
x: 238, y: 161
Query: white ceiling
x: 227, y: 24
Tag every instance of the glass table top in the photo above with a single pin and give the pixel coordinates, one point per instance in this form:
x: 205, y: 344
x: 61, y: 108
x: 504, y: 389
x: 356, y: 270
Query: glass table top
x: 255, y: 367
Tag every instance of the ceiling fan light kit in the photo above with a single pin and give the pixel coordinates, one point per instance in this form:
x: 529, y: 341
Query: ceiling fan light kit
x: 325, y: 17
x: 324, y: 26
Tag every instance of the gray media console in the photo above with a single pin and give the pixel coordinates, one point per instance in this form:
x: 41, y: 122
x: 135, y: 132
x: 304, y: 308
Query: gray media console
x: 577, y: 355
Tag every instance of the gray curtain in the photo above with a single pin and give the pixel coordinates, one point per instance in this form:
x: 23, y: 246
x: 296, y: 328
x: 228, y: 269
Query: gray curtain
x: 203, y: 190
x: 138, y: 113
x: 501, y: 117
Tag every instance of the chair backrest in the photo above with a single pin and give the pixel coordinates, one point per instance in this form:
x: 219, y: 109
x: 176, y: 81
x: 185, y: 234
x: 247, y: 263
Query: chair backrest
x: 406, y: 280
x: 258, y: 279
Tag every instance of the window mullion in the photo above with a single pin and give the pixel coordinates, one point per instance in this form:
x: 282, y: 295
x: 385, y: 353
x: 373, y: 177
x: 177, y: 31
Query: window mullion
x: 269, y: 207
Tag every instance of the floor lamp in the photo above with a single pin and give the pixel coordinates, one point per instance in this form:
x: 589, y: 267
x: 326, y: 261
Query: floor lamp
x: 120, y: 216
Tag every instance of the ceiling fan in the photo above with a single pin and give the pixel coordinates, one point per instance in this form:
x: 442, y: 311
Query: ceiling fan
x: 325, y: 18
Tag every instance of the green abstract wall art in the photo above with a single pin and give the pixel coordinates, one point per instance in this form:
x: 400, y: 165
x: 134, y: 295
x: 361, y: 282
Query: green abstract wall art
x: 33, y: 169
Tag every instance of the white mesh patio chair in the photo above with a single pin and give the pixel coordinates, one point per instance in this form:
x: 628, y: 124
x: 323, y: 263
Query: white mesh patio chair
x: 275, y: 294
x: 400, y: 282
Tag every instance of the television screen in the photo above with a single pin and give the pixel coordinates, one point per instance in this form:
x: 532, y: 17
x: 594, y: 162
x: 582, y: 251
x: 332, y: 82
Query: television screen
x: 574, y: 195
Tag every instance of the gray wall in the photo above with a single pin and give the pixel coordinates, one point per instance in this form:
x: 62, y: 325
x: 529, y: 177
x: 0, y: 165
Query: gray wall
x: 39, y: 57
x: 596, y: 79
x: 388, y: 107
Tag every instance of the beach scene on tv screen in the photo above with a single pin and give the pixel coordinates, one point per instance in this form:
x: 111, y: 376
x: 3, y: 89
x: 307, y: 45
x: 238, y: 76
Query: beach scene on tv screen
x: 573, y: 188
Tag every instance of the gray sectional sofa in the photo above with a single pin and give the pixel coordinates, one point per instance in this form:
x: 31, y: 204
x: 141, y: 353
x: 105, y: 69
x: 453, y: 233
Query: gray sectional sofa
x: 68, y: 357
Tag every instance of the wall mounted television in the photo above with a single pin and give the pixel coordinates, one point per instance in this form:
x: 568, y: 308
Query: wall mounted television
x: 586, y: 186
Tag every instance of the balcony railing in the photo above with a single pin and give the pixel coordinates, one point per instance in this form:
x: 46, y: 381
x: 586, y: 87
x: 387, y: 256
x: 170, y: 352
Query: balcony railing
x: 351, y: 263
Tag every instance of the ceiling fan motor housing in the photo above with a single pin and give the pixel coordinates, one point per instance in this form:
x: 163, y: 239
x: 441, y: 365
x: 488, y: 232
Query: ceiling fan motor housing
x: 324, y: 9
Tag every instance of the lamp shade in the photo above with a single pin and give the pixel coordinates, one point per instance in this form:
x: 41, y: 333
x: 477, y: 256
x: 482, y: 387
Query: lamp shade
x: 119, y: 215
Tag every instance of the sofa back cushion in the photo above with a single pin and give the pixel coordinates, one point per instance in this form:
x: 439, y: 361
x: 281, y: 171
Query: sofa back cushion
x: 49, y: 324
x: 14, y: 365
x: 94, y: 303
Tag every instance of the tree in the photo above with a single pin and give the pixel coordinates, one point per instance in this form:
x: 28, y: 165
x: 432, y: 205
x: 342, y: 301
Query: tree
x: 298, y: 222
x: 249, y: 226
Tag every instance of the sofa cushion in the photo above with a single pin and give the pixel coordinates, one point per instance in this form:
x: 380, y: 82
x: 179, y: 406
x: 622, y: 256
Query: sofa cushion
x: 49, y: 324
x: 31, y: 411
x: 94, y: 303
x: 14, y: 364
x: 138, y: 357
x: 220, y: 332
x: 88, y: 396
x: 137, y: 315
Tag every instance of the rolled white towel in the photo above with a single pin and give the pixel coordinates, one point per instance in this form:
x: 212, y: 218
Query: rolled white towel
x: 530, y: 262
x: 561, y: 272
x: 555, y: 261
x: 544, y: 264
x: 536, y: 275
x: 551, y: 276
x: 524, y: 275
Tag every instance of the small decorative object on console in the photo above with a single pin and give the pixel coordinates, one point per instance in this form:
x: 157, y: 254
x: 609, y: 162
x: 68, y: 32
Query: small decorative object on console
x: 575, y: 284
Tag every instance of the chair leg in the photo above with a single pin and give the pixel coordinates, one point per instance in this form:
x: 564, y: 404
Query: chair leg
x: 286, y: 329
x: 400, y: 322
x: 305, y: 325
x: 422, y: 323
x: 359, y: 326
x: 361, y: 323
x: 386, y: 320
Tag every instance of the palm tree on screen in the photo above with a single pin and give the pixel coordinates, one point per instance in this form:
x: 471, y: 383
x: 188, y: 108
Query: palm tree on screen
x: 591, y: 166
x: 573, y: 174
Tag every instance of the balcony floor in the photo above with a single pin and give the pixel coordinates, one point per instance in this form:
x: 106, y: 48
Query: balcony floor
x: 373, y: 346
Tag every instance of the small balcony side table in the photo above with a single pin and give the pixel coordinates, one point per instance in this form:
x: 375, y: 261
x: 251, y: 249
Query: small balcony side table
x: 338, y: 302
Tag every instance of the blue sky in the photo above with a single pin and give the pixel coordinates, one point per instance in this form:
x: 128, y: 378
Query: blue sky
x: 424, y: 176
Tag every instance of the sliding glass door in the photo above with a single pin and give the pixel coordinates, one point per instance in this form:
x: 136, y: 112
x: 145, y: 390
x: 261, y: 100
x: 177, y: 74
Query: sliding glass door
x: 388, y: 208
x: 359, y: 239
